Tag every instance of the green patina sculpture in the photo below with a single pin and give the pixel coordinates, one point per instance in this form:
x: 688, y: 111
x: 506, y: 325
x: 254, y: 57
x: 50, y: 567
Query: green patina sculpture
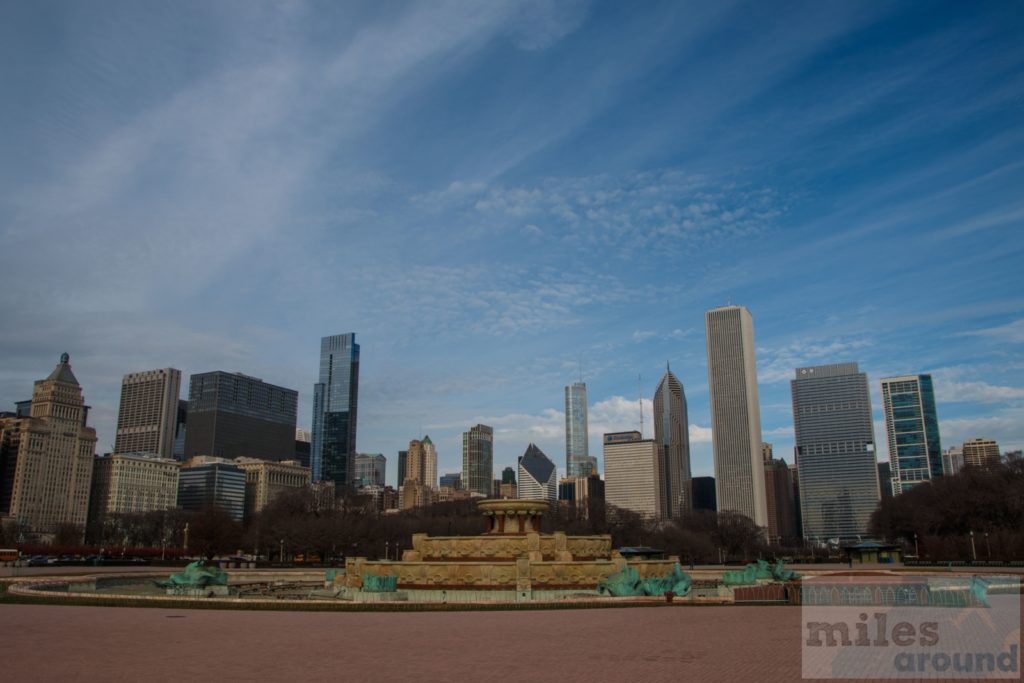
x: 379, y: 584
x: 628, y: 583
x: 759, y: 570
x: 979, y: 589
x: 195, y: 575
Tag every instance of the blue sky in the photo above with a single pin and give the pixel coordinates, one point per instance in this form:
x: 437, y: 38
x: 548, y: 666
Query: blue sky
x: 490, y: 193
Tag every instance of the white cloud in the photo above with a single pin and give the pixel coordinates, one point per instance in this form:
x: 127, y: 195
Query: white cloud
x: 1007, y: 428
x: 700, y: 434
x: 779, y: 364
x: 1012, y: 332
x: 961, y: 384
x: 786, y: 431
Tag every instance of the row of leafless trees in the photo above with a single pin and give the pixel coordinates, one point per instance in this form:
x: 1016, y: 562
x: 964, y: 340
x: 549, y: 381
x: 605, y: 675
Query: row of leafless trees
x: 301, y: 524
x: 975, y: 514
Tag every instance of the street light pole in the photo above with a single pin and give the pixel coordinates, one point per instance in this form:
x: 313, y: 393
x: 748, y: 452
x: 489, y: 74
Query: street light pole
x: 974, y: 553
x: 988, y: 548
x: 282, y: 551
x: 917, y: 554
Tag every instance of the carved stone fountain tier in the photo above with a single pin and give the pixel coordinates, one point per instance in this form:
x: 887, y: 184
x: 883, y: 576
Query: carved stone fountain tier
x: 512, y: 516
x: 511, y: 560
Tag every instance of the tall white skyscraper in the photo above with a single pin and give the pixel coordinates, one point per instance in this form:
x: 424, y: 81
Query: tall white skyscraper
x: 671, y: 433
x: 735, y: 413
x: 578, y: 462
x: 148, y: 415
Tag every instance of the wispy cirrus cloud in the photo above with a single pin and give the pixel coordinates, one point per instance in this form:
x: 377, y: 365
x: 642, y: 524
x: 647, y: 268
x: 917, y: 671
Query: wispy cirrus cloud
x: 667, y: 209
x: 779, y: 363
x: 1012, y: 332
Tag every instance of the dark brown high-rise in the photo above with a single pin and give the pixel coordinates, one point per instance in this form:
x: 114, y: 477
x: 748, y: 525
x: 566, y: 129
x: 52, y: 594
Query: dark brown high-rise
x: 231, y: 415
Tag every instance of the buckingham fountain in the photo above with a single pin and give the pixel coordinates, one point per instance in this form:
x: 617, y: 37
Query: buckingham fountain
x: 511, y: 562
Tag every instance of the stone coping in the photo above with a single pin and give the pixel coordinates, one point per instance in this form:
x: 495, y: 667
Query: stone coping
x: 34, y: 587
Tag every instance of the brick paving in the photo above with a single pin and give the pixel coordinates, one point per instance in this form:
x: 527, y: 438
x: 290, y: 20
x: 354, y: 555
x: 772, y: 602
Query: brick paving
x: 61, y: 643
x: 743, y: 644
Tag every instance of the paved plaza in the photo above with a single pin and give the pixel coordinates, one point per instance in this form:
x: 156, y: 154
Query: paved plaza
x: 58, y: 643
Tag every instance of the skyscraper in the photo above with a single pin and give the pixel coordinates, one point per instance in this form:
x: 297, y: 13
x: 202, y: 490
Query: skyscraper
x: 403, y: 466
x: 671, y: 433
x: 148, y: 415
x: 912, y: 428
x: 981, y: 453
x: 704, y: 493
x: 578, y: 462
x: 478, y: 460
x: 778, y: 486
x: 210, y: 481
x: 415, y: 492
x: 632, y: 477
x: 952, y: 462
x: 538, y: 476
x: 735, y: 413
x: 46, y: 459
x: 335, y: 402
x: 835, y: 451
x: 231, y: 415
x: 429, y: 464
x: 370, y: 469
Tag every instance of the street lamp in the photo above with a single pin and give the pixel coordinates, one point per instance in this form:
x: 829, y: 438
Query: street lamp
x: 386, y: 555
x: 988, y: 548
x: 281, y: 555
x: 974, y: 553
x: 916, y: 553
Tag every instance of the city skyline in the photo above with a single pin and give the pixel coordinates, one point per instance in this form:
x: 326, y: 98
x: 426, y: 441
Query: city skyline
x: 791, y: 164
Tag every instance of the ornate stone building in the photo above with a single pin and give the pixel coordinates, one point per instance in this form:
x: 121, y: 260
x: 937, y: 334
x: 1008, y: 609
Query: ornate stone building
x: 133, y: 483
x: 265, y: 480
x: 46, y: 459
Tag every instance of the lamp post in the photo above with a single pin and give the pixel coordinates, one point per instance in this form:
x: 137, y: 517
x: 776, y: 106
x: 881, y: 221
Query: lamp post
x: 988, y: 548
x: 281, y: 555
x: 974, y: 553
x: 387, y: 556
x: 916, y: 552
x: 185, y: 547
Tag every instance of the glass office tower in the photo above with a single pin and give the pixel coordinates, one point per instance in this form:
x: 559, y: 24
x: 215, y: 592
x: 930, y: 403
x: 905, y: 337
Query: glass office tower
x: 671, y: 433
x: 912, y: 428
x: 335, y: 400
x: 578, y: 462
x: 835, y: 451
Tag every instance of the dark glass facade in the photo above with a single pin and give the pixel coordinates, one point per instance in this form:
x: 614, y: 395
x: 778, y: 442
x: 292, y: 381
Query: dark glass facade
x: 704, y: 493
x: 232, y: 415
x: 220, y: 484
x: 335, y: 404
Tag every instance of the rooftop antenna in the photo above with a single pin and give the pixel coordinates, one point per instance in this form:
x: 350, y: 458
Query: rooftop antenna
x: 640, y: 396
